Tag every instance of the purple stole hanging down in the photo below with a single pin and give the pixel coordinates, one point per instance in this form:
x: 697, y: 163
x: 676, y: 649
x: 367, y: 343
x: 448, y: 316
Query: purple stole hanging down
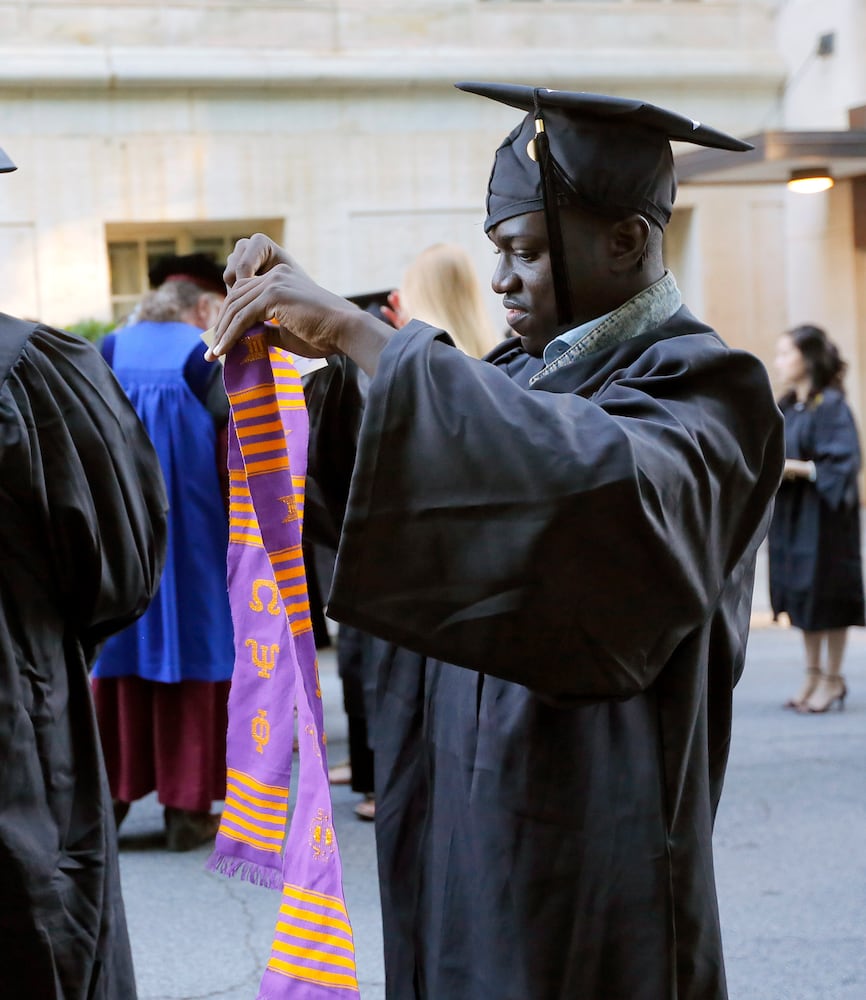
x: 276, y: 678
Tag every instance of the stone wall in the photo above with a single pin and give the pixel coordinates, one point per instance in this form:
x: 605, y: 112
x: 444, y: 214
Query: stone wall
x: 338, y: 122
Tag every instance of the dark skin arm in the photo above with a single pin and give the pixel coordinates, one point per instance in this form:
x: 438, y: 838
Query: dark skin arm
x: 265, y: 282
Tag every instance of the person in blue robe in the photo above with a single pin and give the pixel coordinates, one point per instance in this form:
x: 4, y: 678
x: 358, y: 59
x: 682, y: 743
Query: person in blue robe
x: 161, y: 687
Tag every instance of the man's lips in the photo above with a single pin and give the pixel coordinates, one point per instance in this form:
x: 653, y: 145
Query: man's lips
x: 514, y: 313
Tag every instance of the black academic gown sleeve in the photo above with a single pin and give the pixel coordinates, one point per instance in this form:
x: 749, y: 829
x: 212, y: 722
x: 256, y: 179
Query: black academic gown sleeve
x: 835, y: 450
x: 335, y: 396
x: 82, y: 517
x: 521, y: 532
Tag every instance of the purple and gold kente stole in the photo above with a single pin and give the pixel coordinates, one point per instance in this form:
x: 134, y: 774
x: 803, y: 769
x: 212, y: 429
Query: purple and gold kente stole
x: 276, y: 683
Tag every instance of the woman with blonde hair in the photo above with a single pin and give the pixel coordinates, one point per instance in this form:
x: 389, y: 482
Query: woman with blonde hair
x: 441, y: 287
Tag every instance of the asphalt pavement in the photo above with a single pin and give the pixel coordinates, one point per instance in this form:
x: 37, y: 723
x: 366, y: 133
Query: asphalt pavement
x: 200, y: 936
x: 790, y: 849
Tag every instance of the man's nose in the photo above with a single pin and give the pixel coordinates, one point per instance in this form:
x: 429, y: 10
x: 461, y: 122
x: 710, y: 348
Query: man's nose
x: 504, y: 279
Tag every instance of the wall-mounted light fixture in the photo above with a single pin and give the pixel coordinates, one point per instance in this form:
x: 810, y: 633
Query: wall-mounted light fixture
x: 810, y: 180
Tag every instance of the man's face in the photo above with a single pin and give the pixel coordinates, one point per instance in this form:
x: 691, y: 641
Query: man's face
x: 207, y: 310
x: 523, y: 276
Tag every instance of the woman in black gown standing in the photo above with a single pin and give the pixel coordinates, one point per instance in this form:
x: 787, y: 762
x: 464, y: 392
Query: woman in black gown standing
x: 814, y: 543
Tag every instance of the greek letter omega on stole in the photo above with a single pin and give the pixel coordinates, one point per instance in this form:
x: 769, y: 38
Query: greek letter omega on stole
x: 274, y: 605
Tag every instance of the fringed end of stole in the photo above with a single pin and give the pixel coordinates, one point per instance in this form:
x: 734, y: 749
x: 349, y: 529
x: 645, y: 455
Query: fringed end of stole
x: 247, y: 871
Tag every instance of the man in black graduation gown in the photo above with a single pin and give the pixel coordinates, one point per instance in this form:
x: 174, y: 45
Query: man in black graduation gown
x: 82, y: 522
x: 565, y: 536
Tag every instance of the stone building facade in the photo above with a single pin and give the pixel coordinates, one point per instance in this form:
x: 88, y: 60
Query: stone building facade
x: 334, y: 126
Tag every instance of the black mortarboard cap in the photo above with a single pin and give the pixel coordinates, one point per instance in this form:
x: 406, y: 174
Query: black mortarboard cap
x: 610, y: 155
x: 373, y: 302
x: 199, y: 268
x: 6, y: 165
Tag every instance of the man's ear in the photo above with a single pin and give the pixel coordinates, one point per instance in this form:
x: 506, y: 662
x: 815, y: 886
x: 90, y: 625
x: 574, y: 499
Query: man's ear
x: 628, y: 240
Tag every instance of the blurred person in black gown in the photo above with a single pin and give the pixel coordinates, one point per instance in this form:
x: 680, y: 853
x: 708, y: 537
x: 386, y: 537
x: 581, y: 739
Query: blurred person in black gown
x: 560, y: 542
x: 83, y: 522
x: 357, y: 651
x: 441, y: 288
x: 816, y: 575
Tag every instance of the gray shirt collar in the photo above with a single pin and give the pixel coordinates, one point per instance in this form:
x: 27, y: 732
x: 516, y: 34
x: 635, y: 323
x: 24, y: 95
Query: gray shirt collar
x: 645, y: 311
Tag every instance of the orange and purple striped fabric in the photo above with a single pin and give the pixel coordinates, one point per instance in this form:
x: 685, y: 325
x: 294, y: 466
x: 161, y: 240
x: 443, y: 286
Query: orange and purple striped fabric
x: 275, y: 695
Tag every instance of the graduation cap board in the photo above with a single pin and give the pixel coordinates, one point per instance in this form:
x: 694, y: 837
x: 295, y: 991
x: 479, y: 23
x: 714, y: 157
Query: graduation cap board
x: 198, y: 268
x: 373, y: 302
x: 6, y: 165
x: 608, y: 155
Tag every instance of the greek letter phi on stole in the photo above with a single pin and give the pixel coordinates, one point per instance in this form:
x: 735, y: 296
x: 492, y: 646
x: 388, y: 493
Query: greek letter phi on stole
x: 276, y: 677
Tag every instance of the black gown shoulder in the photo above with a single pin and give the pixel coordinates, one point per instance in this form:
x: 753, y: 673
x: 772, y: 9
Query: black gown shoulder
x: 82, y: 520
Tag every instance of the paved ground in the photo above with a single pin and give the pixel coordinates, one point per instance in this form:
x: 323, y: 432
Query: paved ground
x: 791, y: 833
x: 790, y: 856
x: 196, y: 935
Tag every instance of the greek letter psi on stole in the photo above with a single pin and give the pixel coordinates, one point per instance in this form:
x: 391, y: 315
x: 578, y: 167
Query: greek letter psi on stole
x: 275, y: 674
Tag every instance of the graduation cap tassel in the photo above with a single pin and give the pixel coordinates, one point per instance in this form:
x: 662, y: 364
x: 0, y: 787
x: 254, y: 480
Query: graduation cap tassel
x: 558, y: 267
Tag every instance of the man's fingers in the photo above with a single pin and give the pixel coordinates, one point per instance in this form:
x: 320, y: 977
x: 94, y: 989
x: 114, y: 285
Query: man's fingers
x: 234, y: 263
x: 246, y: 305
x: 251, y: 256
x: 282, y: 292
